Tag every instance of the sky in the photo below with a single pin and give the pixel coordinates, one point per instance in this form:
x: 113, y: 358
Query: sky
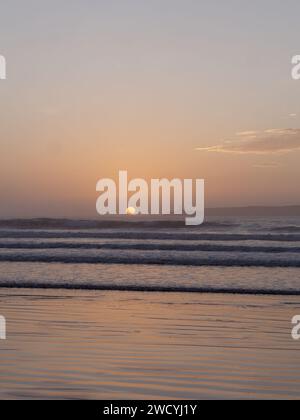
x: 168, y: 88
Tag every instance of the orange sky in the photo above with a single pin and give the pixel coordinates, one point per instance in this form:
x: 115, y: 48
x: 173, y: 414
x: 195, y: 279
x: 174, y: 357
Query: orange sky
x: 160, y: 91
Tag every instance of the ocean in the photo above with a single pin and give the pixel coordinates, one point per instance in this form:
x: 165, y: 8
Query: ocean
x: 224, y: 255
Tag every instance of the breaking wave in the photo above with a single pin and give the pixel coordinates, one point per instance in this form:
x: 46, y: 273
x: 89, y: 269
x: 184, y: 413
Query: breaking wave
x: 177, y: 259
x: 147, y: 235
x: 142, y: 246
x: 142, y: 288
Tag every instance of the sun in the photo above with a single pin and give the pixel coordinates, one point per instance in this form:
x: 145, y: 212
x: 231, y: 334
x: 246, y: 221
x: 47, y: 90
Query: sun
x: 131, y: 211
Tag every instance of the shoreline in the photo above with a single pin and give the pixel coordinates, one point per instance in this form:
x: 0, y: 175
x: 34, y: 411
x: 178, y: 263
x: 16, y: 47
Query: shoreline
x: 149, y: 289
x: 125, y: 345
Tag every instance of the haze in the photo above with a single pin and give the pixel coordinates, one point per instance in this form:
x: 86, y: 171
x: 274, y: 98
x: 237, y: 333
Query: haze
x: 185, y: 89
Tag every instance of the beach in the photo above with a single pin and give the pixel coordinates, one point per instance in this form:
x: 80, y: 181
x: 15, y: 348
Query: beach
x: 135, y: 345
x: 150, y: 212
x: 150, y: 311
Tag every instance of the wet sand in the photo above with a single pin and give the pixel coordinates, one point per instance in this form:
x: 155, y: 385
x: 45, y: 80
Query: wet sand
x: 133, y: 345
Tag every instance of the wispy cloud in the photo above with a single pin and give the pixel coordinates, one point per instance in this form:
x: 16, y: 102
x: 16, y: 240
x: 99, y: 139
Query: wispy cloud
x: 259, y: 142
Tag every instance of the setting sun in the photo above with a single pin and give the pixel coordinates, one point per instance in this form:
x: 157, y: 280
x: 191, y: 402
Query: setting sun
x: 131, y: 211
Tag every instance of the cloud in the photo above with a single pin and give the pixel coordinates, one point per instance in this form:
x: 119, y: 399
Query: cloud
x: 259, y: 142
